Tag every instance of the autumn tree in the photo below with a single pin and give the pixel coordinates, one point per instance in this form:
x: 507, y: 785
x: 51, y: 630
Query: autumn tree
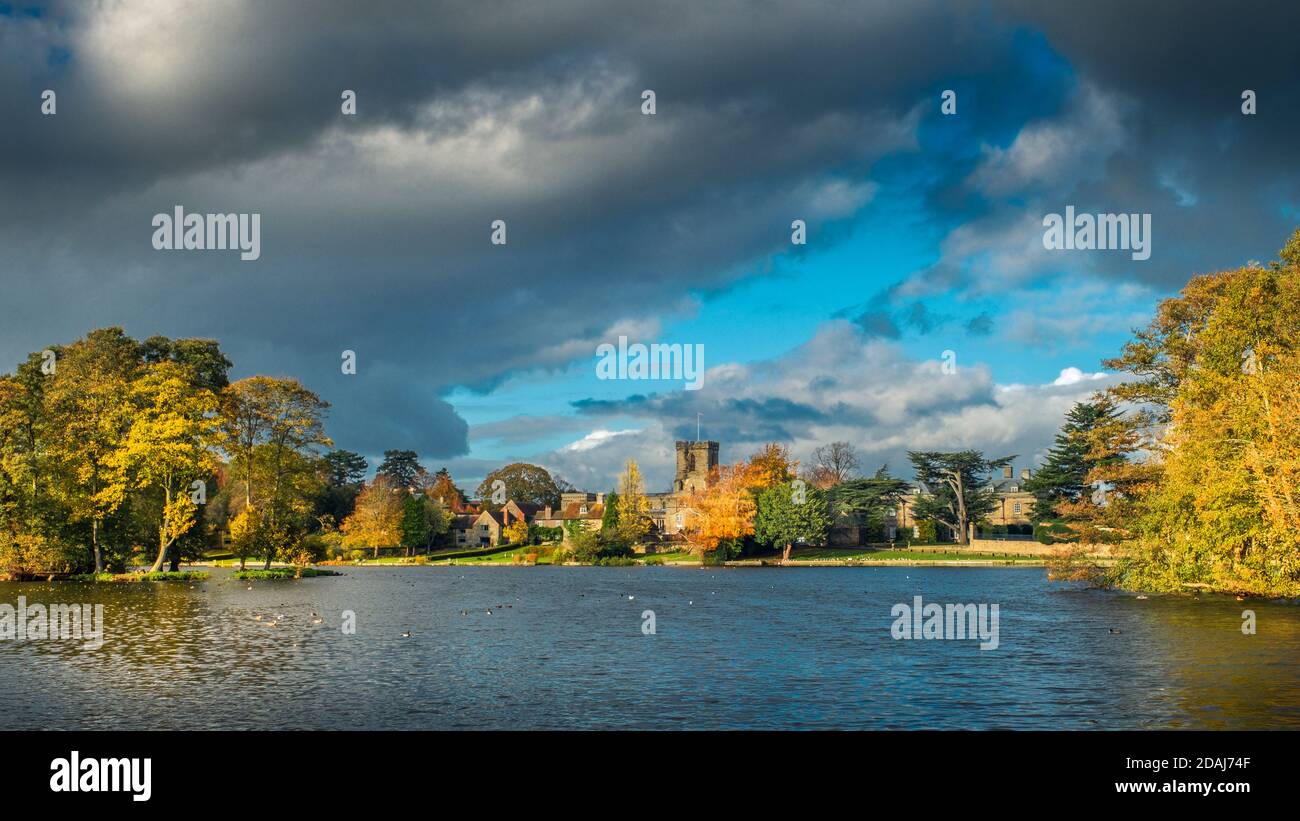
x: 377, y: 520
x: 444, y: 489
x: 771, y: 465
x: 1217, y: 501
x: 634, y: 520
x: 24, y: 451
x: 103, y: 441
x: 516, y: 532
x: 168, y: 447
x: 31, y: 544
x: 245, y: 423
x: 271, y: 429
x: 88, y: 402
x: 723, y: 511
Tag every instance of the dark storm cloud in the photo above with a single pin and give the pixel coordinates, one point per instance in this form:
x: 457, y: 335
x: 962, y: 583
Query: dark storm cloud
x: 1122, y: 107
x: 733, y: 419
x: 375, y: 228
x: 1222, y: 187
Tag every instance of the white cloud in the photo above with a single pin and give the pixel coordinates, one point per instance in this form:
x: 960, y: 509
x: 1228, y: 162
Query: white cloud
x: 1073, y: 376
x: 597, y: 438
x: 836, y: 386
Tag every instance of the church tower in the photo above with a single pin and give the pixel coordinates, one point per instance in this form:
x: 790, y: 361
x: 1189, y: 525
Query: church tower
x: 694, y: 462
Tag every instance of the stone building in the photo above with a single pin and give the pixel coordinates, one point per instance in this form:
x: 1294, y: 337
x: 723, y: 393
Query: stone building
x: 485, y: 529
x: 1015, y: 505
x: 575, y: 506
x: 695, y: 461
x: 670, y: 511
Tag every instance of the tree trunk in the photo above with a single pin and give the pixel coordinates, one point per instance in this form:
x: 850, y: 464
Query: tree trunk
x: 242, y: 560
x: 94, y: 543
x: 162, y: 554
x: 785, y: 555
x: 962, y: 533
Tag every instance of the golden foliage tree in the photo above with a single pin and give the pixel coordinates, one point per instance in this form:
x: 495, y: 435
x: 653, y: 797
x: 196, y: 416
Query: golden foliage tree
x: 168, y: 446
x: 634, y: 520
x: 724, y: 510
x: 377, y: 520
x: 1217, y: 501
x: 516, y: 532
x: 88, y: 407
x: 771, y: 466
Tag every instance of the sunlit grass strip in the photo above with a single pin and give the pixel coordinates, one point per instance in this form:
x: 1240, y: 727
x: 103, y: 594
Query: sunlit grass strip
x: 161, y: 576
x: 283, y: 573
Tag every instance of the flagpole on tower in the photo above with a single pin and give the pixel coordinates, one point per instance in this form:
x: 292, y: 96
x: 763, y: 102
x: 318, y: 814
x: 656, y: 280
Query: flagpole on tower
x: 697, y: 427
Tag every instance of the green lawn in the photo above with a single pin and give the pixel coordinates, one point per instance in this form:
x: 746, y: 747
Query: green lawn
x: 867, y: 554
x: 675, y: 556
x: 511, y: 555
x: 283, y: 573
x: 143, y: 576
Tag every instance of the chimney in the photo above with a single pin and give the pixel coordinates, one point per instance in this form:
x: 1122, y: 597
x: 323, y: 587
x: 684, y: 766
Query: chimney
x: 1007, y: 473
x: 547, y: 513
x: 505, y: 516
x: 600, y: 498
x: 1024, y: 473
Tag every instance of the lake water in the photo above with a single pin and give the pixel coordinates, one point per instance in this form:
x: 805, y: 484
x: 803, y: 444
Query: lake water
x: 759, y: 648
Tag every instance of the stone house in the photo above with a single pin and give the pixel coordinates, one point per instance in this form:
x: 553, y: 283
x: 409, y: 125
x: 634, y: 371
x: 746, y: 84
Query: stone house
x: 586, y: 508
x: 1013, y: 511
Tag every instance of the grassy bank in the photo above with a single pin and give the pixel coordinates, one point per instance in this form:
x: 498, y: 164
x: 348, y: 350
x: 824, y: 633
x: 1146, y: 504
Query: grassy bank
x: 283, y: 573
x: 809, y: 556
x: 904, y: 555
x: 142, y: 576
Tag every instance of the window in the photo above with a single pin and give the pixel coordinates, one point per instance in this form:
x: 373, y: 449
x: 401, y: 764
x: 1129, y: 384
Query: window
x: 582, y: 510
x: 1015, y: 489
x: 679, y: 520
x: 1016, y: 507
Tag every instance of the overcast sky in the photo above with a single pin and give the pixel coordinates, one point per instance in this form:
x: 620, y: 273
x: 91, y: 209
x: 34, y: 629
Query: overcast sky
x: 924, y: 230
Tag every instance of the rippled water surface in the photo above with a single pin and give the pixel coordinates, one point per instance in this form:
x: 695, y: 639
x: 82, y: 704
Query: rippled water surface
x: 563, y: 648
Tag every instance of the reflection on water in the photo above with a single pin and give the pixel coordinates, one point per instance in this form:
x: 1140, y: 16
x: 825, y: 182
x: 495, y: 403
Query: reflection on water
x: 563, y: 648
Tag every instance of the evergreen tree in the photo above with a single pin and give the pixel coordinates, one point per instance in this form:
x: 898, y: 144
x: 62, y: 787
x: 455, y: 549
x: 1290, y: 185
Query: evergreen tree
x: 609, y: 518
x: 403, y: 467
x: 957, y: 488
x: 868, y: 501
x: 416, y: 523
x: 1063, y: 476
